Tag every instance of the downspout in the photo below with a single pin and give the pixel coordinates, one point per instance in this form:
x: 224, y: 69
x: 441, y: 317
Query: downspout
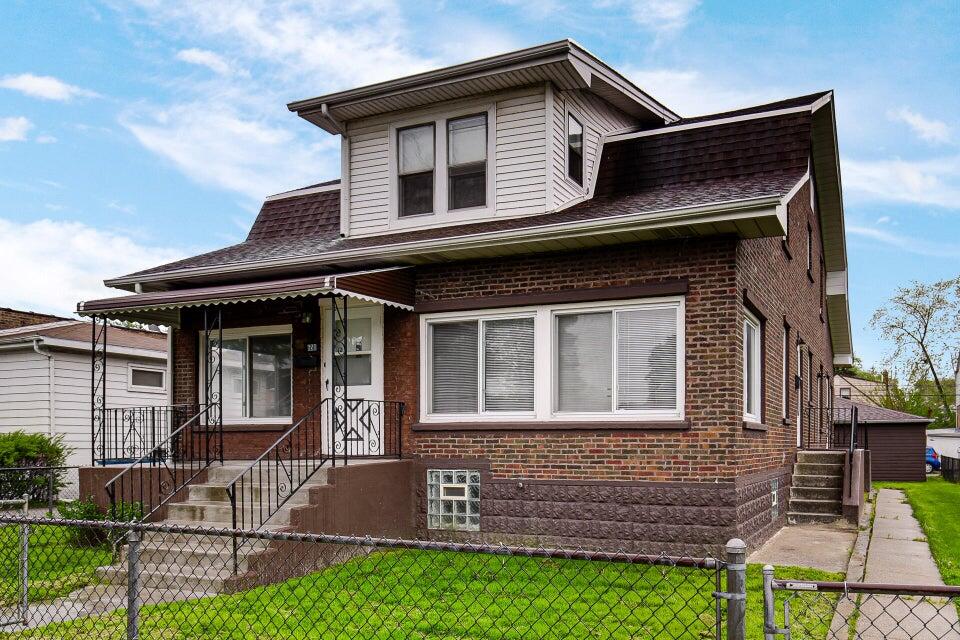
x: 51, y: 386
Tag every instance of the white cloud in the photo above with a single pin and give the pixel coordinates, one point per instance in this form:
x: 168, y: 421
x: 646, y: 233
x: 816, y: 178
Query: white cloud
x: 14, y: 128
x: 219, y: 147
x: 45, y: 87
x: 128, y: 209
x: 690, y: 92
x: 883, y: 219
x: 930, y: 182
x: 664, y: 17
x: 63, y: 262
x: 208, y: 59
x: 907, y: 243
x: 927, y: 129
x: 45, y: 139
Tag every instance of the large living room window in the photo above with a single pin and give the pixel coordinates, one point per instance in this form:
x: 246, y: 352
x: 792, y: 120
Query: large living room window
x: 598, y: 361
x: 257, y: 375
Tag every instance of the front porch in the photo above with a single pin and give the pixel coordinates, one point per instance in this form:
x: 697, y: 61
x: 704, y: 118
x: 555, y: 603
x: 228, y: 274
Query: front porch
x: 286, y: 379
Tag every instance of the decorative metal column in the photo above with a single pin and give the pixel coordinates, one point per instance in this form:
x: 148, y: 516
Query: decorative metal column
x: 98, y: 389
x: 338, y: 363
x: 213, y: 382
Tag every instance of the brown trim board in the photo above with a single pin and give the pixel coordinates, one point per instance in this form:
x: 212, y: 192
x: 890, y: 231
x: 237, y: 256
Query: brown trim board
x: 594, y: 294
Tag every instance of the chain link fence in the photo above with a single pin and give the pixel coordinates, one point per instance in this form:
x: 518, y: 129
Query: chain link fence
x: 99, y: 580
x: 46, y: 486
x: 801, y: 610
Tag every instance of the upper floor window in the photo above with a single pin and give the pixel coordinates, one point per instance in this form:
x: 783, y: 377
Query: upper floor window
x: 467, y: 162
x: 416, y: 165
x: 574, y: 149
x: 751, y: 367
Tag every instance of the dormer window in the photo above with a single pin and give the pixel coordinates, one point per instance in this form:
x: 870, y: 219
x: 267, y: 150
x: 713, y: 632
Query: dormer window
x: 416, y: 163
x: 467, y: 162
x: 574, y: 149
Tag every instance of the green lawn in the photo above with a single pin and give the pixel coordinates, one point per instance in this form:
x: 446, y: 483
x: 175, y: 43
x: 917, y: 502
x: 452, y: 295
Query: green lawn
x: 422, y: 594
x: 56, y: 567
x: 936, y: 505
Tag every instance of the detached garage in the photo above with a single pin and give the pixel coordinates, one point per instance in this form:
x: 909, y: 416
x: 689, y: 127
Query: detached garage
x: 897, y: 441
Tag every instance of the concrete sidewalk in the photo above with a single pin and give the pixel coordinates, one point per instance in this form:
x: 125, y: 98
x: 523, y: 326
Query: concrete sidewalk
x: 899, y: 554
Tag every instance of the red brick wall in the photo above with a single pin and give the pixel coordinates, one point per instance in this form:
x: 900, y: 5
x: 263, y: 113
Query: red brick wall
x: 775, y: 281
x: 11, y: 318
x: 699, y: 454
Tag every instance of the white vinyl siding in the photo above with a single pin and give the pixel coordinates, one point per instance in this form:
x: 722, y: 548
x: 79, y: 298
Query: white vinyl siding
x: 24, y: 394
x: 590, y: 361
x: 521, y: 152
x: 599, y: 118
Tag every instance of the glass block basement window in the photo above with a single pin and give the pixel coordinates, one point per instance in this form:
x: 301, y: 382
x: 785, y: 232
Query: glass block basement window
x: 453, y: 499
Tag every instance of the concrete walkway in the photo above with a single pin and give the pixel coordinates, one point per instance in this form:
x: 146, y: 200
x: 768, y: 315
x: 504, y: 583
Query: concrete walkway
x: 899, y: 554
x: 814, y: 546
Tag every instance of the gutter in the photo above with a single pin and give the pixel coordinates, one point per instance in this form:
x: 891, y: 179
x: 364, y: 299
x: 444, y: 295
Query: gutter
x: 51, y: 386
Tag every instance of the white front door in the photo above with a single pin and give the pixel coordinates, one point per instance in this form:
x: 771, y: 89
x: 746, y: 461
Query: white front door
x: 360, y: 429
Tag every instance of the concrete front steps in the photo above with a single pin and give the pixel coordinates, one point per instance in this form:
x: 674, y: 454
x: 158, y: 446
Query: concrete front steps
x: 181, y: 566
x: 816, y: 492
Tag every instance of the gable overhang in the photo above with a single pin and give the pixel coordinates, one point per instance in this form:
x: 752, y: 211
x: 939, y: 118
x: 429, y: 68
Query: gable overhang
x: 391, y: 287
x: 564, y: 63
x: 825, y: 168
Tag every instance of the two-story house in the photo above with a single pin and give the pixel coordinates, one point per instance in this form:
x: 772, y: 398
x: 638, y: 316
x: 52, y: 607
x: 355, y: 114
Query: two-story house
x: 571, y: 313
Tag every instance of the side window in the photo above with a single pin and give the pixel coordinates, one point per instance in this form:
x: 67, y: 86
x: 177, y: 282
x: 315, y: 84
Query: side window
x: 752, y: 367
x: 574, y: 149
x: 467, y: 162
x: 416, y: 167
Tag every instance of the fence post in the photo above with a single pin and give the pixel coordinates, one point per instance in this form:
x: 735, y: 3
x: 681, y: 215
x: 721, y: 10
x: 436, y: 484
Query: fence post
x: 25, y: 563
x: 736, y: 595
x: 50, y: 492
x: 133, y: 584
x: 769, y: 605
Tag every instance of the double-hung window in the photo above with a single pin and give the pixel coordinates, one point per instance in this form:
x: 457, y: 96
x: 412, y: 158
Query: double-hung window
x: 752, y: 367
x: 467, y: 162
x: 256, y: 370
x: 482, y: 366
x: 415, y: 169
x: 556, y: 362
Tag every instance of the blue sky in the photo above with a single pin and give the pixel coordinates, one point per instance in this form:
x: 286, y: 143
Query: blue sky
x: 132, y: 133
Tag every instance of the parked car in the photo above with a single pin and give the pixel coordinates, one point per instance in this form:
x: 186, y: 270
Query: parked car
x: 933, y: 460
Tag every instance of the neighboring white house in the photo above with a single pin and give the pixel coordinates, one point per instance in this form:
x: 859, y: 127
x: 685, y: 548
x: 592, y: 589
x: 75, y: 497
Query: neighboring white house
x: 45, y: 374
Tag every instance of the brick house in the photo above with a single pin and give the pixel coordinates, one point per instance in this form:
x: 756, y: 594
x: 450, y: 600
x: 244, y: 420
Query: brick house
x: 570, y: 313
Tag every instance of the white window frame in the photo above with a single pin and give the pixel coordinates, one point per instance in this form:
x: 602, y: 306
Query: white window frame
x: 755, y: 385
x: 571, y: 111
x: 785, y: 388
x: 131, y: 366
x: 440, y: 176
x: 248, y: 332
x: 849, y: 393
x: 545, y: 352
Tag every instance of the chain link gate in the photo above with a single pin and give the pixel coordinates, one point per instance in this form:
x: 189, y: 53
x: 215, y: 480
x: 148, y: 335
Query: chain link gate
x: 15, y: 574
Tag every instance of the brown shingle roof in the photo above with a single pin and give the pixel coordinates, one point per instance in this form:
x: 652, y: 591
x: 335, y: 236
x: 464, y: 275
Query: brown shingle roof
x: 869, y: 413
x: 80, y: 331
x: 699, y: 166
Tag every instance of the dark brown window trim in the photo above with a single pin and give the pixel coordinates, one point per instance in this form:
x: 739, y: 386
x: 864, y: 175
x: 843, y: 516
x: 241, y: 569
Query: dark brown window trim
x: 754, y: 426
x: 596, y: 294
x: 667, y: 425
x: 255, y: 427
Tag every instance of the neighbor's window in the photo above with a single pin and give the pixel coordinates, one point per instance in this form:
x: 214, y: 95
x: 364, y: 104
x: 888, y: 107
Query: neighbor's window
x: 482, y: 366
x: 751, y: 367
x: 467, y: 162
x: 574, y: 149
x: 416, y: 164
x: 845, y: 392
x: 453, y: 499
x: 257, y: 376
x: 146, y: 379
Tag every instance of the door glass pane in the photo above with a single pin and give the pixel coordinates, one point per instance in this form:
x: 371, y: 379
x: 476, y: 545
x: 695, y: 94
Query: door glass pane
x: 467, y: 140
x: 270, y: 387
x: 416, y: 149
x: 359, y: 334
x: 584, y: 362
x: 508, y: 365
x: 234, y: 367
x: 455, y: 362
x: 359, y: 370
x: 647, y: 359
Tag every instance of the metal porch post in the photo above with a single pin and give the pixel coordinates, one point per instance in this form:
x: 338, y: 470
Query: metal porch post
x: 213, y: 380
x: 339, y: 401
x: 98, y: 388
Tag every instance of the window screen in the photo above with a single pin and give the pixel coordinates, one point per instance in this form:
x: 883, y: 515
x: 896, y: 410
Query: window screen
x: 508, y: 364
x: 467, y: 161
x: 647, y: 359
x: 584, y: 362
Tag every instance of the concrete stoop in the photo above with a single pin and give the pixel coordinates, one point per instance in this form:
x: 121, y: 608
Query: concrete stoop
x: 816, y: 492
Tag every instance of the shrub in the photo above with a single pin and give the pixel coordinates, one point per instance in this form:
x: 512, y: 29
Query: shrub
x: 80, y: 536
x: 35, y: 450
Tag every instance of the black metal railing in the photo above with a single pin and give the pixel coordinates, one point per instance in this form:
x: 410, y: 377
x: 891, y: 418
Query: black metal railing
x: 831, y: 428
x: 150, y: 481
x: 329, y: 432
x: 129, y: 433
